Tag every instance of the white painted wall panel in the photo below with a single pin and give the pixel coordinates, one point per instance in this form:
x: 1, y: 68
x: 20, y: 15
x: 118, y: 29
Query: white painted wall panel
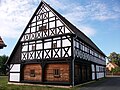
x: 66, y: 30
x: 93, y: 68
x: 38, y: 23
x: 102, y: 75
x: 51, y: 14
x: 59, y: 23
x: 15, y: 68
x: 97, y: 68
x: 47, y: 45
x: 97, y: 75
x: 39, y: 46
x: 25, y: 48
x: 52, y: 24
x: 58, y: 43
x: 15, y: 77
x: 33, y: 28
x: 66, y: 42
x: 93, y: 76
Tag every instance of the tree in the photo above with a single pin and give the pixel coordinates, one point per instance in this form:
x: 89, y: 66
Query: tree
x: 115, y: 70
x: 3, y: 59
x: 115, y: 58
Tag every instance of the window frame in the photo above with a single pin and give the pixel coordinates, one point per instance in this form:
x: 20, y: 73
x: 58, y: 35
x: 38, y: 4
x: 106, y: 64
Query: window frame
x: 32, y: 73
x: 56, y: 73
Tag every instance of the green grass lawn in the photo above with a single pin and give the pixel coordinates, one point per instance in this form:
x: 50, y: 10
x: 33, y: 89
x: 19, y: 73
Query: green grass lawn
x: 5, y: 86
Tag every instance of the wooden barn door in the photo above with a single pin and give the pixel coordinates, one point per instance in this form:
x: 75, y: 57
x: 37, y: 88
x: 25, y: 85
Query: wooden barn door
x: 57, y: 72
x: 32, y: 72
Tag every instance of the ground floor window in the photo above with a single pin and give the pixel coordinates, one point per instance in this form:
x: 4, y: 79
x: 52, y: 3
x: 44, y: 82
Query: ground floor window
x: 32, y: 73
x: 56, y: 72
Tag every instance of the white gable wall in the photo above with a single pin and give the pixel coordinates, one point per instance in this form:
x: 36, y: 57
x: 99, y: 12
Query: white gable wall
x: 14, y: 73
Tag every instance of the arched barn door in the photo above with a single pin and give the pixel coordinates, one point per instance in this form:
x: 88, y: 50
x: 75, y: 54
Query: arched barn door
x: 32, y: 72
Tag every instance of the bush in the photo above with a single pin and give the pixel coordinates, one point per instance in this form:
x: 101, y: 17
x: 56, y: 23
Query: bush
x: 115, y: 70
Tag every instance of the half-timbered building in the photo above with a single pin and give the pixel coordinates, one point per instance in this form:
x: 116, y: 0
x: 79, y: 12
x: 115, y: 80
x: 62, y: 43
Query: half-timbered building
x: 53, y: 51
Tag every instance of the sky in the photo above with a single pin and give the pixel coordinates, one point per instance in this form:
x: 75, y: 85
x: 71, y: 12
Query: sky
x: 98, y: 19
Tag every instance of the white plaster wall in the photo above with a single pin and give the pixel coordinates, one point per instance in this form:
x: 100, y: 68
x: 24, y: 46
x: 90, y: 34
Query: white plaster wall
x: 93, y: 76
x: 47, y: 45
x: 66, y: 42
x: 39, y: 46
x: 15, y: 77
x: 25, y: 48
x: 101, y: 75
x: 38, y: 23
x: 51, y: 19
x: 51, y: 14
x: 97, y: 68
x: 66, y: 30
x: 59, y: 23
x: 33, y: 28
x: 52, y: 24
x: 97, y: 75
x: 58, y: 43
x: 93, y: 68
x: 15, y: 68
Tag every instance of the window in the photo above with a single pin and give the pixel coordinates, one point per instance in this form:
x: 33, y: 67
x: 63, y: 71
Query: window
x: 56, y: 72
x: 54, y: 44
x: 43, y: 28
x: 32, y: 73
x: 33, y: 47
x: 26, y: 36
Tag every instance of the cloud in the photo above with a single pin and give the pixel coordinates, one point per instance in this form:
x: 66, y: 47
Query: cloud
x: 87, y: 30
x: 14, y: 16
x: 102, y: 11
x: 92, y: 10
x: 81, y: 13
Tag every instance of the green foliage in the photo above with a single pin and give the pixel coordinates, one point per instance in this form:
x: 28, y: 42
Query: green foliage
x: 3, y: 59
x: 115, y: 58
x: 115, y: 70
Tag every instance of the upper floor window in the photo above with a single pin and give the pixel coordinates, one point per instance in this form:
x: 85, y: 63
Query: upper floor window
x: 43, y: 28
x: 33, y: 47
x: 54, y: 44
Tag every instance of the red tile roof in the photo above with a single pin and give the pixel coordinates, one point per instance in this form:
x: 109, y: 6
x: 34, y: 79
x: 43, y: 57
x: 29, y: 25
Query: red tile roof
x: 2, y: 44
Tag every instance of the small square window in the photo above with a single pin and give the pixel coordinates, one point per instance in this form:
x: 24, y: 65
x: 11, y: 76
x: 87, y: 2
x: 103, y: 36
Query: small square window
x: 56, y: 72
x: 54, y: 44
x: 32, y: 73
x: 43, y: 28
x: 33, y: 47
x: 26, y: 36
